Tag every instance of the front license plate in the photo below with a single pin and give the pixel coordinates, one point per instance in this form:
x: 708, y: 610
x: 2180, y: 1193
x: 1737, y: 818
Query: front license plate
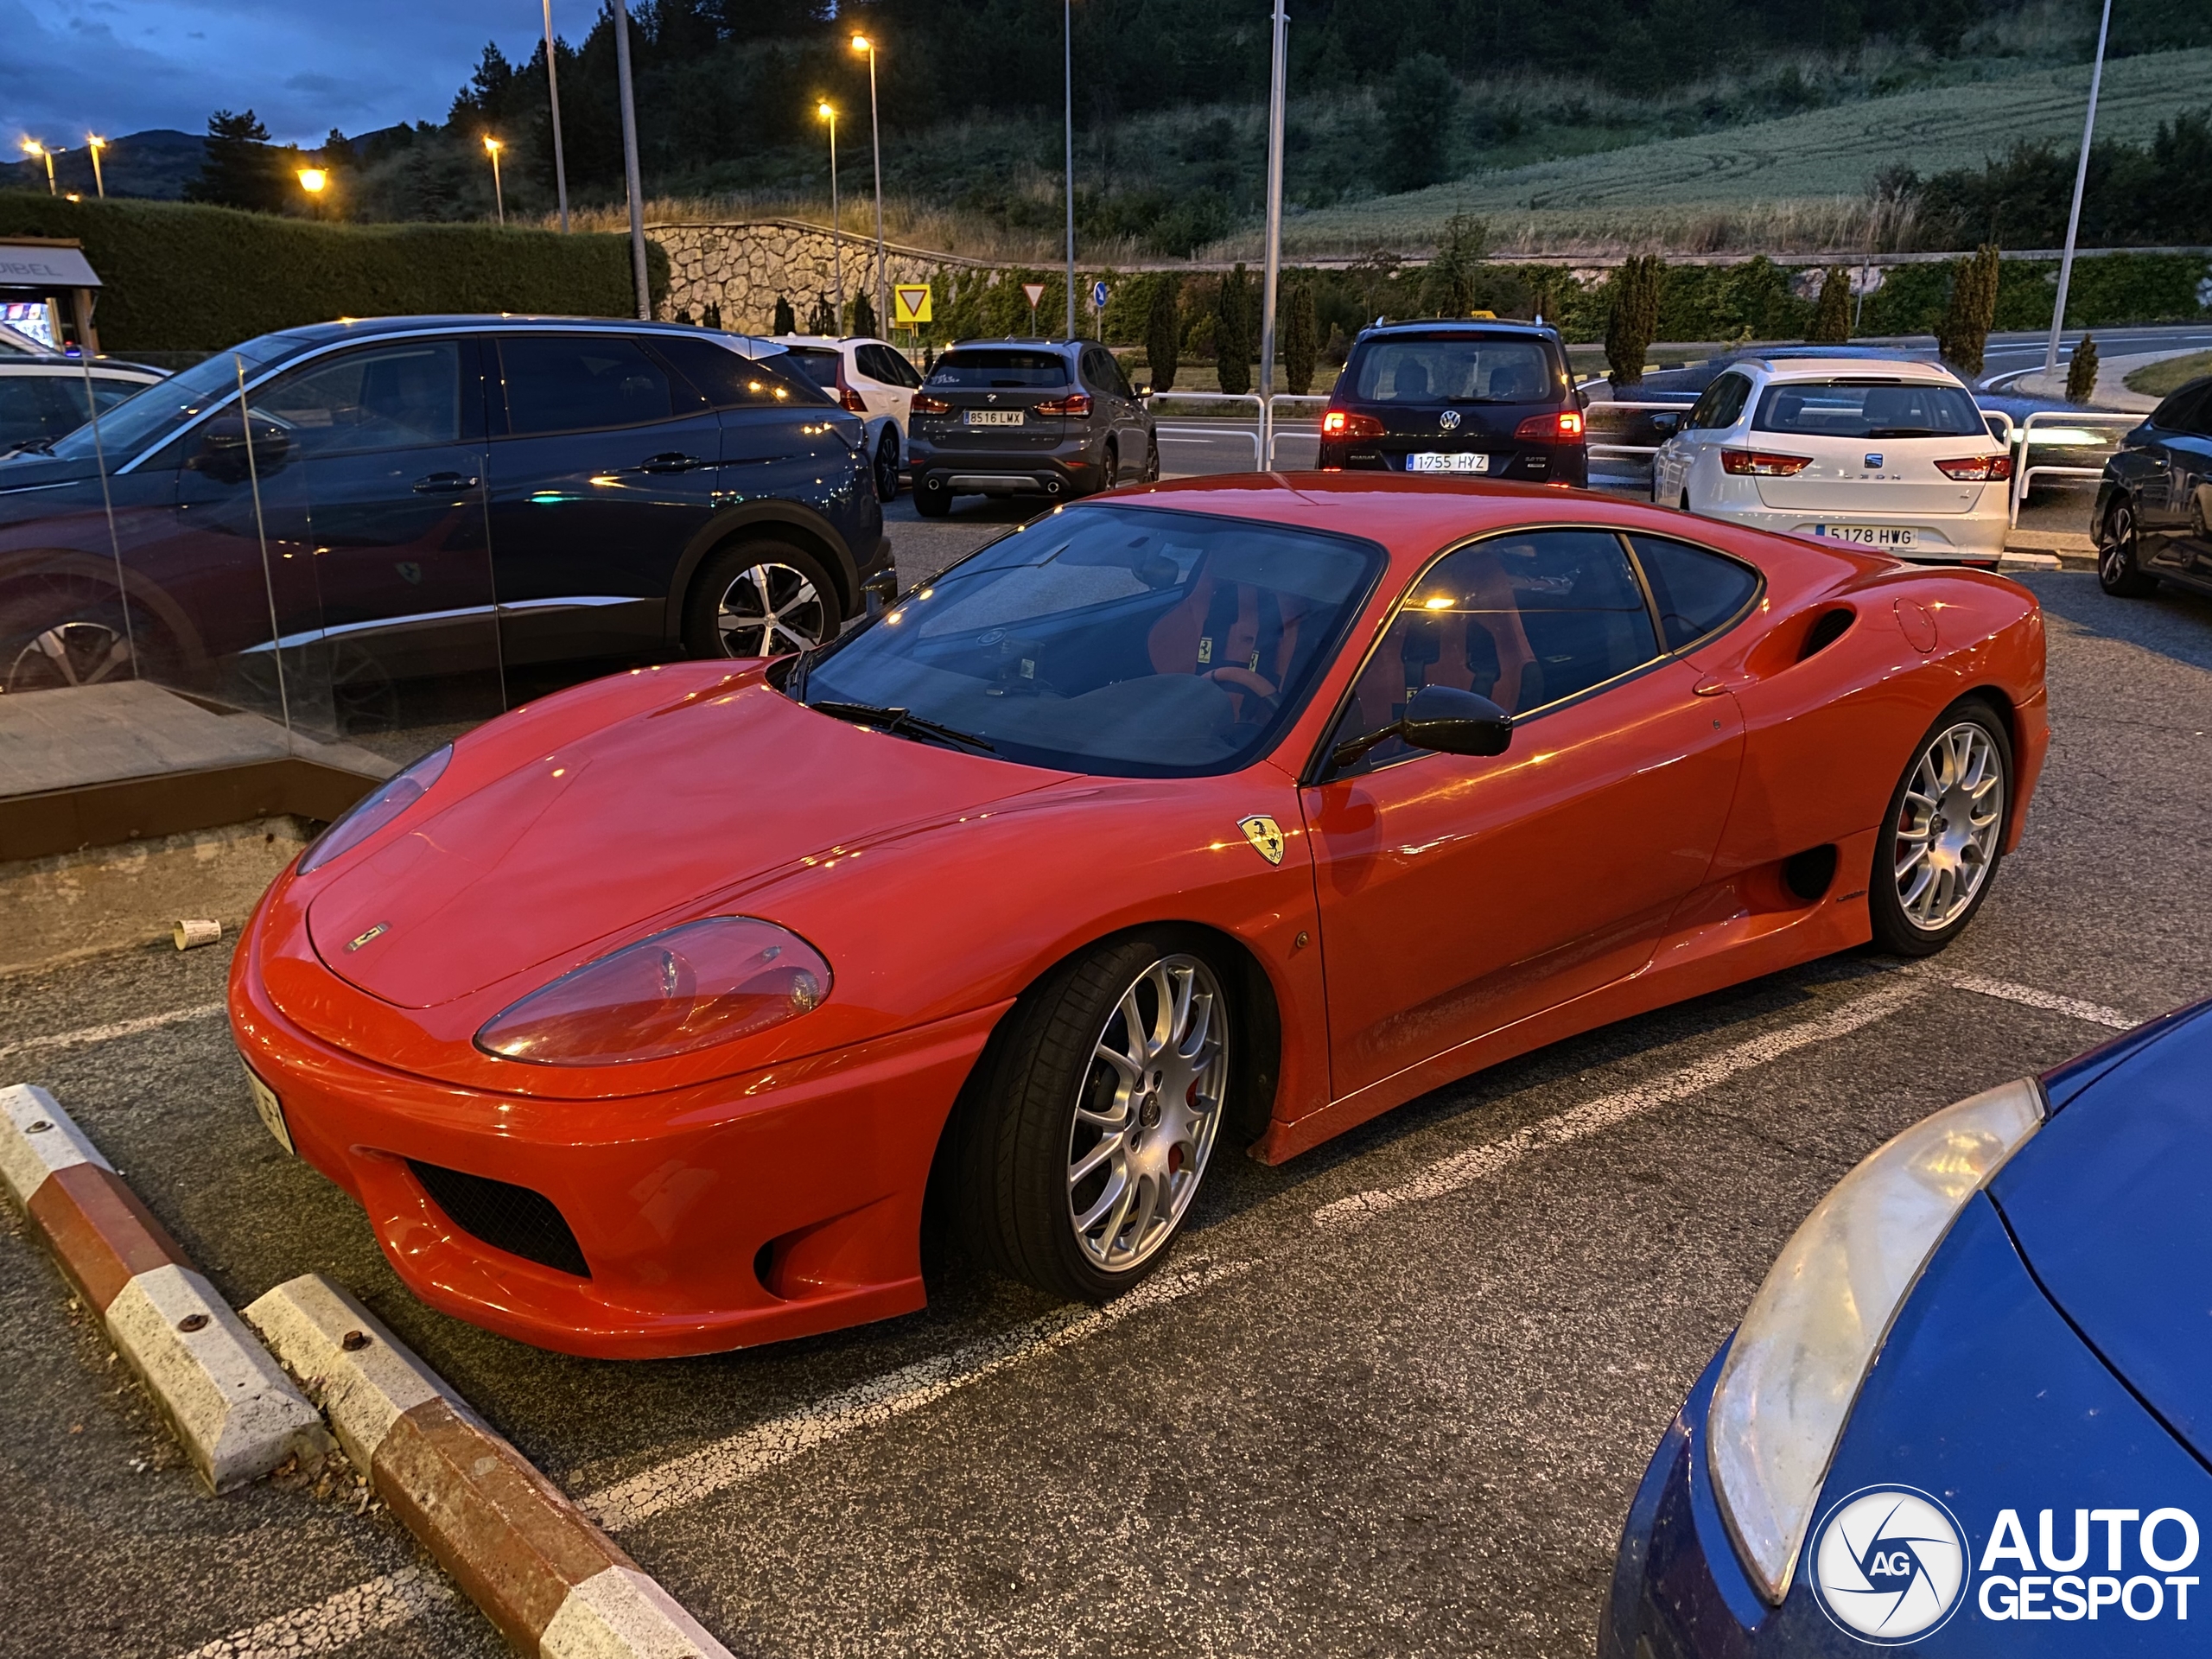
x: 993, y: 418
x: 1435, y: 461
x: 271, y: 1110
x: 1867, y: 535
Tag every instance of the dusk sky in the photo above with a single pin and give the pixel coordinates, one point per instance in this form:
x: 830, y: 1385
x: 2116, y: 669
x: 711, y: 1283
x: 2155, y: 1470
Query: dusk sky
x: 114, y: 67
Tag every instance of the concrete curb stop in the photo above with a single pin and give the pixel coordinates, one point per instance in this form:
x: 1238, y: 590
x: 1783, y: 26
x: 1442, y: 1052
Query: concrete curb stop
x: 553, y: 1583
x: 237, y: 1415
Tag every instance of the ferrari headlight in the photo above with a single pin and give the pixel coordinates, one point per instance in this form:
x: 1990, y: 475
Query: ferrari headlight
x: 1817, y: 1322
x: 704, y: 982
x: 376, y: 809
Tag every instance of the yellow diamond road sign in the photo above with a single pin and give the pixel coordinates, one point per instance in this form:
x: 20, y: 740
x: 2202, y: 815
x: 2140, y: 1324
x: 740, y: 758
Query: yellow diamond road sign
x: 910, y: 303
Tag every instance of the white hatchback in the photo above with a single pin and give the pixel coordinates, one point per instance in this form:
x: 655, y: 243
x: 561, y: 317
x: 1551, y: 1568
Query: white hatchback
x: 1888, y: 454
x: 872, y: 378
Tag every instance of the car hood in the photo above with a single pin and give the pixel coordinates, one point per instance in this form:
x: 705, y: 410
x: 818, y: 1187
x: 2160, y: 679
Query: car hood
x: 2106, y: 1204
x: 648, y: 820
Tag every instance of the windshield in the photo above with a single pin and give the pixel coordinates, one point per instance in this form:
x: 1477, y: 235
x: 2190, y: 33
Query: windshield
x: 167, y: 404
x: 1455, y: 369
x: 1869, y: 409
x: 998, y: 367
x: 1123, y: 641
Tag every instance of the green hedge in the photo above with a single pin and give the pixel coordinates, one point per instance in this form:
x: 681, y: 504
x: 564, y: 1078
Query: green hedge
x: 182, y: 277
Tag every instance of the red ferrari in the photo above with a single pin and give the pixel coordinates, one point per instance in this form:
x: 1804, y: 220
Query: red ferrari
x: 1227, y: 813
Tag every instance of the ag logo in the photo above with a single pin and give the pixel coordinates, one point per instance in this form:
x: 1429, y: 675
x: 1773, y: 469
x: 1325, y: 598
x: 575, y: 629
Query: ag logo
x: 1449, y: 419
x: 409, y: 572
x: 1889, y: 1565
x: 1265, y: 834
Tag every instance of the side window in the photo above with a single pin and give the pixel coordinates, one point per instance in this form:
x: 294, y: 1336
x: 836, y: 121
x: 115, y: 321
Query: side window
x: 107, y: 392
x: 1525, y: 620
x: 2175, y: 415
x: 1701, y: 414
x: 1696, y: 591
x: 1114, y: 381
x: 730, y: 381
x: 583, y: 383
x: 394, y: 397
x: 38, y: 406
x: 881, y: 363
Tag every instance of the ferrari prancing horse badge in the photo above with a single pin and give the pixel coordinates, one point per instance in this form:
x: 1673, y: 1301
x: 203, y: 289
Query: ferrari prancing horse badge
x: 1265, y: 834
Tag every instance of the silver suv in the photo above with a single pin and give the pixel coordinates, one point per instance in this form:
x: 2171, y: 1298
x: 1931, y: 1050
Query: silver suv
x: 1051, y: 417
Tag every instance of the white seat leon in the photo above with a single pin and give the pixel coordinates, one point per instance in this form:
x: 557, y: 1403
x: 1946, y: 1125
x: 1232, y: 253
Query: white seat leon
x: 1892, y: 454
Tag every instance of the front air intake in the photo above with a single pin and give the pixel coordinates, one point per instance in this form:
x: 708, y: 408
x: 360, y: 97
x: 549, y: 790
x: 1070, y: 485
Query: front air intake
x: 507, y: 1217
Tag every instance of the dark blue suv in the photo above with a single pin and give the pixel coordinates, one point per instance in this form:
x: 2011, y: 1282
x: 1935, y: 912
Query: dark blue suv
x: 409, y: 488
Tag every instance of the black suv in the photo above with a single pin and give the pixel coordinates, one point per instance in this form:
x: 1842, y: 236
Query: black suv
x: 408, y: 493
x: 1460, y: 400
x: 1051, y: 417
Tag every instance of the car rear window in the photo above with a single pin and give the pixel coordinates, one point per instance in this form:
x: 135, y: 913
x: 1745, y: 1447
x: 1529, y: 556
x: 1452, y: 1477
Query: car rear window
x: 1868, y: 409
x: 1696, y: 591
x: 816, y: 364
x: 1455, y: 369
x: 999, y: 366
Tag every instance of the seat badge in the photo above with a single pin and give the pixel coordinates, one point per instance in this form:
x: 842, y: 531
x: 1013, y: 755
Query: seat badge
x: 1449, y: 419
x: 374, y: 933
x: 1873, y: 461
x: 1265, y: 834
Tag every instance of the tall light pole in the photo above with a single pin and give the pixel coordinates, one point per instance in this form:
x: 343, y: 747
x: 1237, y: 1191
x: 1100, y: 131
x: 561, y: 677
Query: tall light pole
x: 1277, y: 89
x: 492, y: 147
x: 827, y: 112
x: 31, y: 146
x: 861, y: 44
x: 2074, y: 218
x: 95, y: 144
x: 630, y: 164
x: 315, y: 181
x: 1067, y: 67
x: 553, y: 93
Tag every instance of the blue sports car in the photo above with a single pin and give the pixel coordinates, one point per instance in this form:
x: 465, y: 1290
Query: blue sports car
x: 1970, y: 1409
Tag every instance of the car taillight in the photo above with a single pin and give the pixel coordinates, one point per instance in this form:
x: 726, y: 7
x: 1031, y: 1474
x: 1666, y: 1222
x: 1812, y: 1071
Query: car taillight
x: 1757, y: 463
x: 1076, y: 402
x: 377, y: 809
x: 1564, y: 427
x: 704, y: 982
x: 1342, y: 424
x: 926, y: 404
x: 1977, y: 469
x: 852, y: 400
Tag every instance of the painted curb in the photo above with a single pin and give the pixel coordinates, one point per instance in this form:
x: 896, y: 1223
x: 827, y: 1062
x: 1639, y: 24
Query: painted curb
x: 553, y: 1583
x: 236, y: 1414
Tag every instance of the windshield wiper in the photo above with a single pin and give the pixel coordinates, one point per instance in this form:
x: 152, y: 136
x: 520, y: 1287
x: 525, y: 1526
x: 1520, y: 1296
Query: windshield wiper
x: 34, y: 447
x: 901, y: 720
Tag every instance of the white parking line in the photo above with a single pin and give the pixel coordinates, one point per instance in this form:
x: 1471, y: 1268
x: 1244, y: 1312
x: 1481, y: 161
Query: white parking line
x: 2050, y: 1002
x: 395, y: 1598
x: 108, y: 1034
x: 865, y: 1405
x: 1464, y: 1169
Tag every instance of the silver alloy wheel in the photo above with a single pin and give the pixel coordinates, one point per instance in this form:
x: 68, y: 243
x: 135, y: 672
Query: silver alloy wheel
x: 70, y: 653
x: 768, y: 609
x: 1147, y: 1112
x: 1945, y: 839
x: 2119, y: 552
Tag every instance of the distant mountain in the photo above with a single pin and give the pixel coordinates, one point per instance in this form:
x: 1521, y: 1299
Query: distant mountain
x: 156, y: 164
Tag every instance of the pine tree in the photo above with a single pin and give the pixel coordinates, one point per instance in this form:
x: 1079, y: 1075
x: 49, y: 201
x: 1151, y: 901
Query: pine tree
x: 1232, y: 333
x: 239, y: 169
x: 2082, y: 371
x: 1972, y: 308
x: 785, y: 322
x: 1163, y: 333
x: 1300, y: 334
x: 1634, y: 322
x: 1832, y: 322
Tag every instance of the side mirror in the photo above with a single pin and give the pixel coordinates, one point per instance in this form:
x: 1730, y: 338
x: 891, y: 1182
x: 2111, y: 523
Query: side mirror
x: 223, y: 449
x: 1442, y: 719
x: 1143, y: 385
x: 1666, y: 423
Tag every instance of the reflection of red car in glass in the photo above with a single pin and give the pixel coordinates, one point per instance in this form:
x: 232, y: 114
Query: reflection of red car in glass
x: 641, y: 1021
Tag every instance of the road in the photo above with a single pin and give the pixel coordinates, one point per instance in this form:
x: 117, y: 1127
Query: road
x: 2007, y: 355
x: 1343, y: 1424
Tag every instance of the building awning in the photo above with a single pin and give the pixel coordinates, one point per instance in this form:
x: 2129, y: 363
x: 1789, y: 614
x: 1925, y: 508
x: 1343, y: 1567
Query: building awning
x: 45, y: 265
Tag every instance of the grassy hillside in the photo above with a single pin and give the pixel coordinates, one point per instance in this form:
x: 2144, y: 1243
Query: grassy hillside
x: 1804, y: 168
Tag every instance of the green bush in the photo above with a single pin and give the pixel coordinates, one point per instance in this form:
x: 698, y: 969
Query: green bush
x: 179, y: 276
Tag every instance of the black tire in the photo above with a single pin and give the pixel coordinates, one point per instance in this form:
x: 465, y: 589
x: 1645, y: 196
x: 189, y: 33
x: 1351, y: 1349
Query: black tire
x: 802, y: 605
x: 1109, y: 466
x: 1022, y: 1136
x: 1974, y: 853
x: 58, y: 631
x: 1151, y: 475
x: 887, y: 465
x: 2119, y: 559
x: 931, y: 499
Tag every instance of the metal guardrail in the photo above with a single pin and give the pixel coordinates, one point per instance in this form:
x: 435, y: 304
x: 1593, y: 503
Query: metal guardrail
x: 1248, y: 399
x: 1632, y: 408
x: 2059, y: 429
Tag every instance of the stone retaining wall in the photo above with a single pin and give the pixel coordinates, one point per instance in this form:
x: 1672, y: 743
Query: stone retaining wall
x: 731, y: 274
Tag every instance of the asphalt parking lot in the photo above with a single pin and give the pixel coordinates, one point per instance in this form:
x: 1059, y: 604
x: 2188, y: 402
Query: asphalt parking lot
x: 1391, y: 1398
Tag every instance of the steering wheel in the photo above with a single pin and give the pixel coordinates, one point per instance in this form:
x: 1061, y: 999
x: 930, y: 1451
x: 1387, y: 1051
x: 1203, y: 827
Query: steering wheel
x: 1257, y: 696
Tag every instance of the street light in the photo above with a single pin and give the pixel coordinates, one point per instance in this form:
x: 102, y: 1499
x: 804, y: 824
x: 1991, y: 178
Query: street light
x: 1271, y: 280
x: 312, y: 178
x: 861, y: 44
x: 492, y: 147
x: 827, y: 112
x: 2074, y: 217
x: 553, y: 94
x: 1067, y: 66
x: 96, y: 143
x: 32, y: 146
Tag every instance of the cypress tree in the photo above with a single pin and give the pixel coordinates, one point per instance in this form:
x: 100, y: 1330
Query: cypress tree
x: 1972, y: 308
x: 1163, y: 330
x: 1232, y: 334
x: 785, y: 322
x: 1299, y: 340
x: 1633, y: 322
x: 2082, y: 371
x: 1832, y: 323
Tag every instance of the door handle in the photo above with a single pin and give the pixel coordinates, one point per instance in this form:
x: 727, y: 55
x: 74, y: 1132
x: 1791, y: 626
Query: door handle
x: 438, y: 483
x: 673, y: 462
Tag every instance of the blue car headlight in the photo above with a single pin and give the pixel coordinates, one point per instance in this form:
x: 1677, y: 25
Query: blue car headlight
x: 1819, y: 1319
